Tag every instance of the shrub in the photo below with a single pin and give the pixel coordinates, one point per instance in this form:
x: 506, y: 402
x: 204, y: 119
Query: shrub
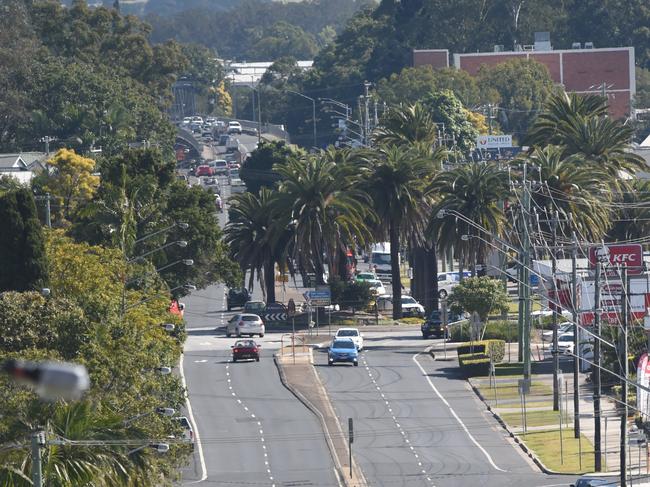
x: 474, y: 364
x: 494, y: 330
x: 490, y: 348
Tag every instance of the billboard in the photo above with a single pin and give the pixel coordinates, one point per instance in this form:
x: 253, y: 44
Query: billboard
x: 493, y: 141
x: 615, y: 256
x: 610, y: 300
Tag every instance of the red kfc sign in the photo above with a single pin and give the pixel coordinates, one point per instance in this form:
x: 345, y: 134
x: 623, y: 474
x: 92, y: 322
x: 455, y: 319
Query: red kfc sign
x: 617, y: 256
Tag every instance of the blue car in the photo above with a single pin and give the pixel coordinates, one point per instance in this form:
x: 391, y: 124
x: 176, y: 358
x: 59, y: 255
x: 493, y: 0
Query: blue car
x: 343, y: 350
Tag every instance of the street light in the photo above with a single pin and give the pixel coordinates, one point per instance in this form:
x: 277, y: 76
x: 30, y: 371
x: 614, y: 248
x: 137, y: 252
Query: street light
x: 180, y: 243
x: 181, y: 225
x: 159, y: 447
x: 313, y: 103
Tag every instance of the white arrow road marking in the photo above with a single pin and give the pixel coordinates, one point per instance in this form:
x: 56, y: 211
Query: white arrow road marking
x: 200, y: 361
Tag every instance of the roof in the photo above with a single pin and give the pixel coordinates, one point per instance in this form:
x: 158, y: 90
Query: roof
x: 12, y: 162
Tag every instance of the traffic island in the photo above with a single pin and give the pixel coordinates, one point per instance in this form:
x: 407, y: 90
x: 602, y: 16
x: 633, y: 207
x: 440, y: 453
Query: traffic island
x: 303, y: 382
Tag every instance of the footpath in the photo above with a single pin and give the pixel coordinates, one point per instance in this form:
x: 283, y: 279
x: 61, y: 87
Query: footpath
x: 547, y: 436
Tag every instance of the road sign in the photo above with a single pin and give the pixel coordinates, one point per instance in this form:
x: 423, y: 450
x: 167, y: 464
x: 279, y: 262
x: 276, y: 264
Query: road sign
x: 291, y: 307
x: 319, y: 298
x: 351, y: 430
x: 616, y: 256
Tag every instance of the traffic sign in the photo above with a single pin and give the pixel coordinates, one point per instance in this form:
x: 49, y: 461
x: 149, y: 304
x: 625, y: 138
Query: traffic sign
x: 291, y: 307
x: 319, y: 298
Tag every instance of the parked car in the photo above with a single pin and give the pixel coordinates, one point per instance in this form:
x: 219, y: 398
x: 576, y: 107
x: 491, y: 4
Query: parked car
x: 234, y: 128
x: 351, y: 333
x: 433, y: 325
x: 237, y: 298
x: 377, y: 287
x: 601, y: 479
x: 562, y: 328
x: 245, y: 349
x: 447, y: 281
x: 256, y: 307
x: 203, y: 170
x: 245, y: 324
x: 343, y: 350
x: 565, y: 343
x: 410, y: 307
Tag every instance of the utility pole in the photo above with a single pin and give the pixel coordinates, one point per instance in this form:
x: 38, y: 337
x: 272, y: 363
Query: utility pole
x: 554, y: 352
x: 598, y: 466
x: 623, y: 360
x: 362, y: 125
x: 259, y: 116
x: 366, y: 86
x: 376, y: 120
x: 526, y: 276
x: 576, y: 351
x: 38, y: 441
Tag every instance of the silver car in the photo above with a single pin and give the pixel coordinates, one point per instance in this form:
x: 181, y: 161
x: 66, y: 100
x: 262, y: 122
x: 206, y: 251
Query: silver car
x: 245, y: 324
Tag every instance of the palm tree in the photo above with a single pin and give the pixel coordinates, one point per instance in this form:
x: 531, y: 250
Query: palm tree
x: 327, y: 213
x: 397, y: 180
x: 632, y: 220
x: 579, y: 125
x: 257, y: 236
x: 576, y: 193
x: 71, y: 465
x: 412, y: 128
x: 477, y: 192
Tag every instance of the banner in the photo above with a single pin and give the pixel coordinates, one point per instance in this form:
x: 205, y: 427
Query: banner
x: 642, y: 375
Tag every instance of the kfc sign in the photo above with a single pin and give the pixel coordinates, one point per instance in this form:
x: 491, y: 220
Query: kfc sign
x: 617, y: 256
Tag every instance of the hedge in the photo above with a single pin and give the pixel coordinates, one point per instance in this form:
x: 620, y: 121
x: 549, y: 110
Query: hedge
x: 474, y: 364
x: 496, y: 349
x: 494, y: 330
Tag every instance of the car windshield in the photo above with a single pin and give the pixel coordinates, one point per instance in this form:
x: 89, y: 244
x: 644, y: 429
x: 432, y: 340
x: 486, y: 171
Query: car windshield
x: 347, y: 333
x: 249, y: 318
x: 245, y: 344
x: 408, y: 300
x: 566, y: 338
x: 221, y: 163
x: 365, y: 276
x: 343, y: 344
x: 234, y: 173
x: 380, y: 258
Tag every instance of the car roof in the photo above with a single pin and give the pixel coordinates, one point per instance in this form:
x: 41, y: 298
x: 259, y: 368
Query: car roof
x: 347, y: 328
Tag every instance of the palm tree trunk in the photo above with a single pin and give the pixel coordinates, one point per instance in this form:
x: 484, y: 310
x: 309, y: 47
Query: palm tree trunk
x: 430, y: 291
x: 395, y: 271
x: 269, y: 281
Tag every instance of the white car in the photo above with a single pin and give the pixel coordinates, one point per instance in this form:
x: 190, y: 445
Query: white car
x: 245, y: 324
x: 234, y: 128
x: 562, y: 328
x: 377, y: 287
x: 410, y: 307
x: 565, y: 343
x: 352, y: 334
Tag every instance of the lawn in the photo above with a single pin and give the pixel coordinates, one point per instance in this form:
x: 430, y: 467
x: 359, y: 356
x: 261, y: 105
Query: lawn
x: 510, y: 390
x: 533, y: 418
x: 547, y: 446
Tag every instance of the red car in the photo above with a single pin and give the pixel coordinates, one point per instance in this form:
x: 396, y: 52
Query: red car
x: 245, y: 349
x: 204, y: 170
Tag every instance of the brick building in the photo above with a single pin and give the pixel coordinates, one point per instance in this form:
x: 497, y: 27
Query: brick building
x: 578, y: 70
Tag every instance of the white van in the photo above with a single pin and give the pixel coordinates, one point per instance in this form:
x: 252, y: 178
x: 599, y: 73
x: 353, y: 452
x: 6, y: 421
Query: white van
x: 379, y: 261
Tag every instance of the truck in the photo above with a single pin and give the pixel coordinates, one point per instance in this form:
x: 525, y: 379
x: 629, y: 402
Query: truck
x: 379, y: 261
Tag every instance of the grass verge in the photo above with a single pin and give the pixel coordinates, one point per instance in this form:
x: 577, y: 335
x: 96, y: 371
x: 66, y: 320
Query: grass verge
x: 561, y: 456
x: 533, y: 418
x: 510, y: 390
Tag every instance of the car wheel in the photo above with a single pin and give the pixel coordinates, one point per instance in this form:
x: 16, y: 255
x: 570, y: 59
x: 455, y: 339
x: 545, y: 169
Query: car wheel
x: 330, y: 363
x: 228, y: 335
x: 261, y: 335
x: 442, y: 293
x: 234, y: 359
x: 424, y: 337
x: 257, y: 359
x: 356, y: 364
x: 238, y: 333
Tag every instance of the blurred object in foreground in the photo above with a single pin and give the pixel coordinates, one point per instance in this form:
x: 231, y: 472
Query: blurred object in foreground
x: 50, y: 380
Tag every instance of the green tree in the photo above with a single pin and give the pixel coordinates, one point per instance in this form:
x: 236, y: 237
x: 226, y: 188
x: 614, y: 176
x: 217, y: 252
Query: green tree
x: 22, y: 251
x: 284, y: 39
x: 413, y: 84
x: 257, y: 170
x: 446, y: 109
x: 476, y: 192
x: 631, y: 221
x: 481, y: 295
x: 520, y: 88
x: 396, y: 180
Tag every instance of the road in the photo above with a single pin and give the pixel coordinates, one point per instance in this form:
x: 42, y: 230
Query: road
x: 406, y: 434
x: 251, y: 430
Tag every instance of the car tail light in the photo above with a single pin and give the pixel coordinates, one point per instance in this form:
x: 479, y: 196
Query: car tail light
x: 236, y: 350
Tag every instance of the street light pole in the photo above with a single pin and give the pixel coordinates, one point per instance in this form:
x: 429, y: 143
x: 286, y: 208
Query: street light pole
x: 313, y: 112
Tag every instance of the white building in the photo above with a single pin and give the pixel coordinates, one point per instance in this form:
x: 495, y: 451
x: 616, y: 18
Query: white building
x: 22, y: 166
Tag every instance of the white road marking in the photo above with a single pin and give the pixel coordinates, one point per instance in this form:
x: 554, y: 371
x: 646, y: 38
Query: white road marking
x: 451, y: 410
x: 200, y: 361
x: 204, y: 470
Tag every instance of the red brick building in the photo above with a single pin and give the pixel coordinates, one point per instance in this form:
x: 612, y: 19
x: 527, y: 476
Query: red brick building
x: 579, y: 70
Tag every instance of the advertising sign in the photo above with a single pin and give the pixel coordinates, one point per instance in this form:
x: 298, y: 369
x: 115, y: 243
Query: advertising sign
x: 493, y: 141
x: 610, y: 300
x: 613, y: 257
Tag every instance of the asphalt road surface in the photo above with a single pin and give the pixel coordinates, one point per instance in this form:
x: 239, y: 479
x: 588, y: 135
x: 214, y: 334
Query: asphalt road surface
x: 417, y: 424
x: 251, y: 430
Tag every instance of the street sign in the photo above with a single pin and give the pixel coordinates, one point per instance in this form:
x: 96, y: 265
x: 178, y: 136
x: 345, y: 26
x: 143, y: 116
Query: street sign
x: 524, y: 386
x: 321, y: 297
x: 493, y: 141
x: 351, y: 430
x: 291, y: 307
x: 616, y: 256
